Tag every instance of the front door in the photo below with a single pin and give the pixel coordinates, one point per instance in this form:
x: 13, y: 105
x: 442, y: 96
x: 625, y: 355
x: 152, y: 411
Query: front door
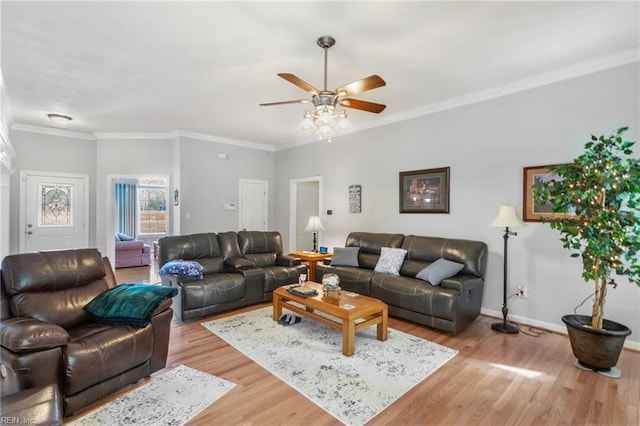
x: 54, y: 208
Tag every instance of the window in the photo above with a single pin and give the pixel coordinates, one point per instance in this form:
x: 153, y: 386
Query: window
x: 152, y: 206
x: 55, y: 205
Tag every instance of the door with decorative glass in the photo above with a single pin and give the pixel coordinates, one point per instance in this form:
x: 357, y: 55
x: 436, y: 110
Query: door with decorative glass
x: 53, y: 211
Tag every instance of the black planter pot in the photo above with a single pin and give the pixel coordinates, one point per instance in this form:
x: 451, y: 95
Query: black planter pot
x: 595, y: 349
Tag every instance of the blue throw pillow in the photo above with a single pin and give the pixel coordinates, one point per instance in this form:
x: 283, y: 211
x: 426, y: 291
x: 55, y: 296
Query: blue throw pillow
x: 131, y: 304
x: 124, y: 237
x: 182, y: 267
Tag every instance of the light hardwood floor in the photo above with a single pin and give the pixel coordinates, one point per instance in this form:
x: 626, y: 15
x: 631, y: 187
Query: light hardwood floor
x: 496, y: 379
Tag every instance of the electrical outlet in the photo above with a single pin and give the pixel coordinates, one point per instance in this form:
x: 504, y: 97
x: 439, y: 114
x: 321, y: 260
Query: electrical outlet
x: 523, y: 292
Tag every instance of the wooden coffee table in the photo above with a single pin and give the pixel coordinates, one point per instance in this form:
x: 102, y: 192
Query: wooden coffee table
x: 365, y: 312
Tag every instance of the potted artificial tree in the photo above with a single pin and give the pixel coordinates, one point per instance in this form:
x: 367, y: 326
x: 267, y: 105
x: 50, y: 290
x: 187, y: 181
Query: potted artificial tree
x: 602, y: 189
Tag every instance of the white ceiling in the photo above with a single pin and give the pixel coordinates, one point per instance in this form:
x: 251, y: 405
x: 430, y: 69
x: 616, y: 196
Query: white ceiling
x: 203, y: 67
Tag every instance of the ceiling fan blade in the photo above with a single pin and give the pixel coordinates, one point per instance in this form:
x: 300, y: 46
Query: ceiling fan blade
x: 299, y: 82
x: 362, y: 85
x: 363, y: 105
x: 298, y: 101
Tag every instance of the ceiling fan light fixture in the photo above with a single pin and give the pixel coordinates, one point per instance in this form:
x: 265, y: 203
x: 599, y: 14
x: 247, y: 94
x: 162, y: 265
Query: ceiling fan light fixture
x: 325, y: 132
x: 307, y: 124
x: 324, y: 120
x: 343, y: 124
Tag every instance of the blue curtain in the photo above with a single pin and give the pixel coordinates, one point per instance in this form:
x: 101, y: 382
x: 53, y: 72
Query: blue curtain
x: 126, y: 208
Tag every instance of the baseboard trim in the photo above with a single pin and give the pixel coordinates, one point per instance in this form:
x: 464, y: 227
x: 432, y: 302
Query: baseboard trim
x: 556, y: 328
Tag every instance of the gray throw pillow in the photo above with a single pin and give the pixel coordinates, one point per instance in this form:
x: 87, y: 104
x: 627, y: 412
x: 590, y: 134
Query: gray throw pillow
x: 390, y: 260
x: 439, y: 270
x: 345, y: 256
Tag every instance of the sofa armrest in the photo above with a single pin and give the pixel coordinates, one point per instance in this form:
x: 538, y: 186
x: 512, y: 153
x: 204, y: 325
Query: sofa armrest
x: 164, y: 305
x: 239, y: 263
x: 254, y: 284
x: 129, y: 245
x: 286, y: 260
x: 22, y: 334
x: 175, y: 280
x: 461, y: 282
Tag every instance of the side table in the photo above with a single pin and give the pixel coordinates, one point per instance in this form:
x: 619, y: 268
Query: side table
x: 312, y: 258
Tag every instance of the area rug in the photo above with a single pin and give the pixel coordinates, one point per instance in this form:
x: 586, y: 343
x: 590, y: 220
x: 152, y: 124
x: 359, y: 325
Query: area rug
x: 308, y: 357
x: 172, y: 398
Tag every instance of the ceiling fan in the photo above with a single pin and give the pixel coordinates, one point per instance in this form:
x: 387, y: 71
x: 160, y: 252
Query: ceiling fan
x: 325, y: 101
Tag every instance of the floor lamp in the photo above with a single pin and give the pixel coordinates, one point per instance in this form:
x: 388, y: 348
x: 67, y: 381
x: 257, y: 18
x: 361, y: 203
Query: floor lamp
x: 314, y: 225
x: 507, y: 218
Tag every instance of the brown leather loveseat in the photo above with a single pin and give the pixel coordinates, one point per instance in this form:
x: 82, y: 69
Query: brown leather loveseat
x: 450, y: 304
x: 238, y: 269
x: 48, y: 337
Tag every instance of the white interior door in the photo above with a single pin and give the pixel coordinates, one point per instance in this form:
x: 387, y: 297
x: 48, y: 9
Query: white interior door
x: 54, y: 209
x: 305, y: 198
x: 306, y: 205
x: 253, y: 209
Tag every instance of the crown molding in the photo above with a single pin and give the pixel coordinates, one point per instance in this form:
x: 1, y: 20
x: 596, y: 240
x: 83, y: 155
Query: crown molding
x: 135, y: 135
x: 52, y: 131
x: 590, y: 67
x: 139, y: 135
x: 236, y: 142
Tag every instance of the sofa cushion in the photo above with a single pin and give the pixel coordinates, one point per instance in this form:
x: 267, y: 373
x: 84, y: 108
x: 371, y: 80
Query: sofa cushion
x: 357, y: 280
x: 99, y: 352
x: 64, y: 308
x: 131, y: 304
x: 439, y: 270
x: 182, y: 267
x: 423, y: 250
x: 124, y: 237
x: 413, y: 295
x: 345, y: 256
x: 390, y: 260
x: 213, y: 289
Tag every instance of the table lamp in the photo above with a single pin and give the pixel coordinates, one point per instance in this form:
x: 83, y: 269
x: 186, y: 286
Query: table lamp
x: 314, y: 225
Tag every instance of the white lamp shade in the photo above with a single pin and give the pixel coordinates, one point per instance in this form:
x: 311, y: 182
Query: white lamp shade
x: 314, y: 225
x: 507, y: 218
x: 324, y: 132
x: 344, y: 125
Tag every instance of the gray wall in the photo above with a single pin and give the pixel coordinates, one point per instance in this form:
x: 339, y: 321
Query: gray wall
x: 50, y: 153
x: 208, y: 182
x: 486, y: 145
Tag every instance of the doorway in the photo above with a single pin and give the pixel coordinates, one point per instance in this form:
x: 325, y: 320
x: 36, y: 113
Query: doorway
x: 305, y: 201
x: 54, y: 209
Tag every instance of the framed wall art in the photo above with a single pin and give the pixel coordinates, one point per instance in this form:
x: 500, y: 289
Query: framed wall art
x: 425, y: 191
x: 532, y: 211
x: 355, y: 198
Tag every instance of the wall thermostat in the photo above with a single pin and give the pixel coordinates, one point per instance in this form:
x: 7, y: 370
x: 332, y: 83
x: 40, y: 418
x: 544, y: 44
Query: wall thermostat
x: 229, y: 206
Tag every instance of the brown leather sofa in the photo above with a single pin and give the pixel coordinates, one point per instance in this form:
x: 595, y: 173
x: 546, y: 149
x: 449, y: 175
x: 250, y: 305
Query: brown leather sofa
x: 239, y: 269
x: 450, y: 306
x: 48, y: 336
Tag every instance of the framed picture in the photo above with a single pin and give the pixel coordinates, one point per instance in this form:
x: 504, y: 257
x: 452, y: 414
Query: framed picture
x: 425, y: 191
x: 355, y: 198
x: 532, y: 211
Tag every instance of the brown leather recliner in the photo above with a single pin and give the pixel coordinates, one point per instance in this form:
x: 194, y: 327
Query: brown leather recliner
x: 47, y: 335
